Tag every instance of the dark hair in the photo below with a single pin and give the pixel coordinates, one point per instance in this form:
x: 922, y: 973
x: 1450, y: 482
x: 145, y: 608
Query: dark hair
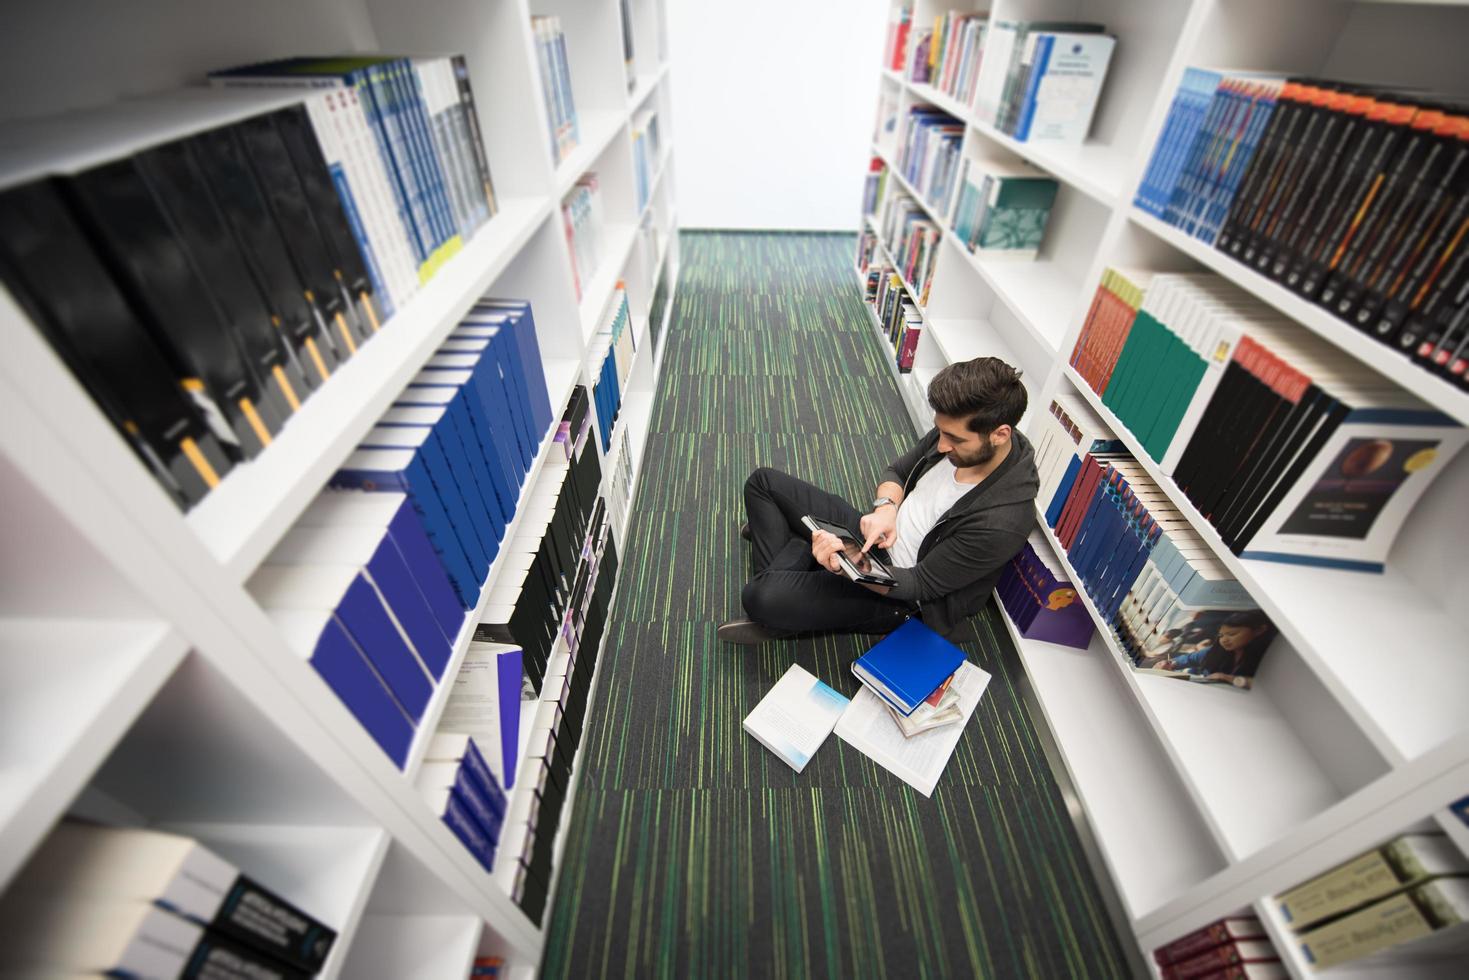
x: 1250, y: 619
x: 986, y: 390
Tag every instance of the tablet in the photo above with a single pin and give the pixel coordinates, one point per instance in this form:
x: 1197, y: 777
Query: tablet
x: 858, y: 567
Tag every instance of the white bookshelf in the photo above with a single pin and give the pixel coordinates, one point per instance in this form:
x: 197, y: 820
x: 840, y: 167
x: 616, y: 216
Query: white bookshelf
x: 1355, y: 730
x: 140, y: 682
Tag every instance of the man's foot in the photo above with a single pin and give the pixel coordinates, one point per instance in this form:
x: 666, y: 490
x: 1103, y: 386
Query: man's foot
x: 745, y: 530
x: 747, y: 632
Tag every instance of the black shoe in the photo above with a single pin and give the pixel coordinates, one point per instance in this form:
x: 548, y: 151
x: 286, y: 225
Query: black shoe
x: 747, y: 632
x: 745, y: 530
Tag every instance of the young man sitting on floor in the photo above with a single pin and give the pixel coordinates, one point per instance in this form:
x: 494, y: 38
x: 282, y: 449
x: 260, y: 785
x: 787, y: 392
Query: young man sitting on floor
x: 948, y: 515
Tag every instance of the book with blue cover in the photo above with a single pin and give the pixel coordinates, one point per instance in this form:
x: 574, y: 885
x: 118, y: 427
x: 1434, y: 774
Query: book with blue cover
x: 908, y: 665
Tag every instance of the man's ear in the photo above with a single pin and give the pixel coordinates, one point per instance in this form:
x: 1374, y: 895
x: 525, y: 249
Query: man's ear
x: 1001, y: 435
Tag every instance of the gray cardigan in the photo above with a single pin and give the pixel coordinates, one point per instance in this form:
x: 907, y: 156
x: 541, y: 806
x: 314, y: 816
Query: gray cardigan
x: 961, y: 558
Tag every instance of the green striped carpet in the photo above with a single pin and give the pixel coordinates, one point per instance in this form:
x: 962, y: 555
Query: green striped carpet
x: 693, y: 851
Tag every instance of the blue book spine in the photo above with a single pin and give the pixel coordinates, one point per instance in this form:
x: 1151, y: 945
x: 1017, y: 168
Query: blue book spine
x: 341, y: 664
x: 1206, y: 178
x: 1063, y: 491
x: 1183, y: 188
x: 408, y: 127
x: 511, y: 668
x: 484, y: 777
x: 414, y: 480
x: 362, y: 612
x: 498, y: 497
x: 452, y: 442
x: 456, y: 815
x: 475, y: 436
x: 479, y: 807
x: 1151, y: 187
x: 490, y: 389
x: 437, y: 166
x: 522, y: 327
x: 354, y: 221
x: 423, y: 151
x: 1262, y: 110
x: 376, y: 112
x: 1199, y: 88
x: 505, y: 363
x: 407, y: 159
x: 1041, y: 64
x: 399, y: 589
x: 427, y: 569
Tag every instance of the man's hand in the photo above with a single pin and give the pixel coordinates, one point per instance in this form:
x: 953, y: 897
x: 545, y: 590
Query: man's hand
x: 824, y: 548
x: 879, y: 528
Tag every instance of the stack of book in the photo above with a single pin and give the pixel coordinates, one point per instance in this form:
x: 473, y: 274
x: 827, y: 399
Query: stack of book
x: 646, y: 152
x: 1386, y: 902
x: 1173, y: 608
x: 1234, y: 948
x: 874, y: 189
x: 528, y: 605
x: 1039, y: 599
x: 1291, y: 449
x: 459, y: 788
x: 581, y: 216
x: 556, y: 85
x: 912, y: 239
x: 954, y: 53
x: 493, y: 966
x: 1039, y: 81
x: 1355, y: 197
x: 911, y: 670
x: 424, y: 138
x: 97, y: 900
x: 555, y: 735
x: 610, y: 361
x: 1000, y: 211
x: 899, y: 318
x: 895, y: 45
x: 928, y: 151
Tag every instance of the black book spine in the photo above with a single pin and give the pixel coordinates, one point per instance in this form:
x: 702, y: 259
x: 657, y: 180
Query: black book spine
x: 1304, y: 201
x: 1388, y: 219
x: 222, y: 160
x: 1457, y: 368
x: 276, y: 175
x: 1444, y: 335
x: 137, y: 244
x: 1283, y: 444
x: 1256, y: 172
x: 471, y: 119
x: 1315, y: 212
x: 257, y: 916
x: 1438, y: 306
x: 217, y: 957
x: 52, y: 272
x: 1361, y: 182
x: 1291, y: 114
x: 1294, y: 144
x: 1389, y: 275
x: 349, y: 267
x: 1288, y: 479
x: 182, y: 194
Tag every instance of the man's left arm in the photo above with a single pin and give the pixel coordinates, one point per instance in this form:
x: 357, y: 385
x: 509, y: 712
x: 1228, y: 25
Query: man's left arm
x: 958, y: 560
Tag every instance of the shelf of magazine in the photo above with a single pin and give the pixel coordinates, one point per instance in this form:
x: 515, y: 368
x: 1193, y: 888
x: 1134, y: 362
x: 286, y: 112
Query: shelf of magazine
x: 1321, y: 612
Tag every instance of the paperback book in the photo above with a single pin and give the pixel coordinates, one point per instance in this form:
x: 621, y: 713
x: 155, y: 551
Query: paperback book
x: 795, y: 716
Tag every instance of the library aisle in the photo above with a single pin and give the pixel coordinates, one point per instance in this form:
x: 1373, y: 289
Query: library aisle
x: 692, y: 848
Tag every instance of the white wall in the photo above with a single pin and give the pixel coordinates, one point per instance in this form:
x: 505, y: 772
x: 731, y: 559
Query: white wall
x: 773, y: 103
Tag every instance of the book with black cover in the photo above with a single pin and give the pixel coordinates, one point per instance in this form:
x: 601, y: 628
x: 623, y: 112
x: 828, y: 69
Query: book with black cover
x: 50, y: 268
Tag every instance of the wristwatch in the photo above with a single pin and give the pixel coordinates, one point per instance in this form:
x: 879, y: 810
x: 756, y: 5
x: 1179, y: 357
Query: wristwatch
x: 883, y: 500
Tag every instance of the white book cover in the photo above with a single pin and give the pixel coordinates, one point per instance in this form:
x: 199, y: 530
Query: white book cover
x: 796, y: 716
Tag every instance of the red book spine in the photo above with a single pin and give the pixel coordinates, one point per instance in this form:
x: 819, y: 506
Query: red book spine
x: 909, y: 349
x: 1205, y: 939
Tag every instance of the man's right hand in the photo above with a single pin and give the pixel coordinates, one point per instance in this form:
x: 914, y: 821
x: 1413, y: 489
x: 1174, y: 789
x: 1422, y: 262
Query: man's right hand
x: 879, y: 528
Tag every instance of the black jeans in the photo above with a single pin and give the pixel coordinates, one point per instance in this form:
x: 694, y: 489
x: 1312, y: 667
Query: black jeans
x: 790, y: 591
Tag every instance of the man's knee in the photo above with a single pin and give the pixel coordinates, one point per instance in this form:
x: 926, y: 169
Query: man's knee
x: 765, y: 603
x: 760, y: 478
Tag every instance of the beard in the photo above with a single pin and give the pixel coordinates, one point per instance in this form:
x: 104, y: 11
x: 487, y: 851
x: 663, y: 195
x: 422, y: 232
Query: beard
x: 980, y: 456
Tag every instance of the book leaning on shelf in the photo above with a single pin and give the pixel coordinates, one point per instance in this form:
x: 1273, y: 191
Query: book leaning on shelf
x: 1293, y: 450
x: 1356, y: 197
x: 1039, y: 81
x: 1040, y: 600
x: 1000, y: 211
x: 125, y: 901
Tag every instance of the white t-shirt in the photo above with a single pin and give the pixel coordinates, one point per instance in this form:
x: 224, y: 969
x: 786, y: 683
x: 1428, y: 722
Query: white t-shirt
x: 936, y: 492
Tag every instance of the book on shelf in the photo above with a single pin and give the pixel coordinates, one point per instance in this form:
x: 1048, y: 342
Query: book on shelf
x: 911, y: 238
x: 1401, y: 862
x: 582, y: 220
x: 647, y: 152
x: 1000, y: 211
x: 1173, y: 608
x: 795, y: 716
x: 84, y: 936
x: 609, y: 360
x: 874, y: 188
x: 555, y: 72
x: 1293, y: 450
x: 484, y: 702
x: 895, y: 45
x: 898, y: 317
x: 1227, y: 955
x: 1227, y: 930
x: 928, y: 152
x: 1040, y: 600
x: 88, y: 862
x: 1426, y: 922
x: 920, y: 44
x: 907, y: 665
x: 954, y: 53
x: 1041, y: 80
x: 1356, y: 197
x: 458, y: 786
